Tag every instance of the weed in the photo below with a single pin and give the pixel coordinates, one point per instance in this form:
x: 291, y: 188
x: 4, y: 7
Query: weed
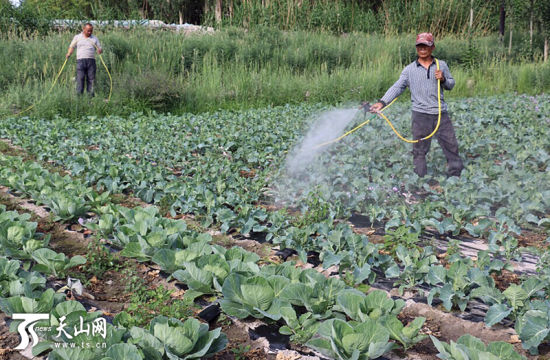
x: 223, y: 320
x: 453, y: 248
x: 145, y: 303
x: 100, y: 260
x: 314, y: 210
x: 239, y: 351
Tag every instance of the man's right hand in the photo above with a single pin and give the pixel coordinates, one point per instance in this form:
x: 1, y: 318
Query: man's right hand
x: 376, y: 107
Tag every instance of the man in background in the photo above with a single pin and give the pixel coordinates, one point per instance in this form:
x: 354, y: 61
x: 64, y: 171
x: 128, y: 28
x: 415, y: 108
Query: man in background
x: 86, y: 46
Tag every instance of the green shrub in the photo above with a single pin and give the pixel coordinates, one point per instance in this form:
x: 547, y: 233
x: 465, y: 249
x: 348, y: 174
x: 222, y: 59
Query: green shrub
x: 153, y: 88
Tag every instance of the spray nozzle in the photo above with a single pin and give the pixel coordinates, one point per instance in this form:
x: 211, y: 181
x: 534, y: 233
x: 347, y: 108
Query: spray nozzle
x: 365, y: 106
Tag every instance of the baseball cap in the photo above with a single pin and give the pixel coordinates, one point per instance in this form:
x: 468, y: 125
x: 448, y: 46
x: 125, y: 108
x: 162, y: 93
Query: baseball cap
x: 425, y: 39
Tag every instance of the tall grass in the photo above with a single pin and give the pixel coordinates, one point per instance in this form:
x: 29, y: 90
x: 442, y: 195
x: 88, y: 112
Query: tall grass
x: 164, y: 71
x: 384, y: 17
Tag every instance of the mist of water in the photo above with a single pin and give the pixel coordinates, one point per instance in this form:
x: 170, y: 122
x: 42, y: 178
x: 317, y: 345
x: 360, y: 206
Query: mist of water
x: 329, y: 126
x: 304, y: 166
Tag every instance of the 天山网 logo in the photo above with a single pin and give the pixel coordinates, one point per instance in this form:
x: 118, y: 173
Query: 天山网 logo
x: 28, y: 323
x: 65, y: 333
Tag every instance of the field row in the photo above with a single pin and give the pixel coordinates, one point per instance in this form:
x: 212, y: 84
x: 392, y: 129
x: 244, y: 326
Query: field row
x: 230, y: 182
x: 271, y: 292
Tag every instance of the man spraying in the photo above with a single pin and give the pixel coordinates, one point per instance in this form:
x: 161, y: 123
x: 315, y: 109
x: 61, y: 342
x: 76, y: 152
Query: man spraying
x: 86, y: 45
x: 421, y: 77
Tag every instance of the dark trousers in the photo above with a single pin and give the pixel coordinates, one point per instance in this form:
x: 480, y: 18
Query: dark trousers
x: 422, y: 126
x: 85, y: 74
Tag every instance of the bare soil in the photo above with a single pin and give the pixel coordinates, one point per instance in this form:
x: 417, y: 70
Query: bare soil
x: 504, y: 279
x: 533, y: 239
x: 8, y: 341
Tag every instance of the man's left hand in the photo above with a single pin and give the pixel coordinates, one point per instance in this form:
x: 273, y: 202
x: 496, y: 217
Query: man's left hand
x: 439, y: 75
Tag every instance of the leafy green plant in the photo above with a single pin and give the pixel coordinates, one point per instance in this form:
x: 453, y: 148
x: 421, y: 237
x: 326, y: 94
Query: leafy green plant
x: 315, y: 209
x: 206, y: 273
x: 346, y: 341
x: 178, y: 340
x: 400, y: 236
x: 533, y: 326
x: 515, y: 299
x: 255, y: 296
x: 145, y: 303
x: 99, y: 260
x: 446, y: 225
x: 18, y: 236
x: 74, y: 316
x: 239, y: 351
x: 470, y: 347
x: 56, y: 264
x: 453, y: 251
x: 456, y: 285
x: 66, y: 207
x: 408, y: 335
x: 300, y: 328
x: 376, y: 305
x: 314, y: 292
x: 43, y: 303
x: 416, y: 264
x: 14, y: 281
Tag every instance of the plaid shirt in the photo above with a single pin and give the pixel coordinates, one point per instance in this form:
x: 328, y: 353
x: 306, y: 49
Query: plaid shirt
x: 423, y: 85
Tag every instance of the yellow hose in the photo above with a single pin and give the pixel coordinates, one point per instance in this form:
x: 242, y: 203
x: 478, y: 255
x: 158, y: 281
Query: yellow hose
x: 51, y: 87
x: 343, y: 136
x: 108, y: 73
x: 106, y: 69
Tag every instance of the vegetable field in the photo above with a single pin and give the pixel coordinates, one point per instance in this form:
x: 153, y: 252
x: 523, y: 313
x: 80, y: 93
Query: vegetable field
x: 191, y: 237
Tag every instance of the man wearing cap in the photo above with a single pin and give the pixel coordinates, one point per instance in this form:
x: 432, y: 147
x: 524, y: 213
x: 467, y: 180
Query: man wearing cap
x: 421, y: 77
x: 86, y: 45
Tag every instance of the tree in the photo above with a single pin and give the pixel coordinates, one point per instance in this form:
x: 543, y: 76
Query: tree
x: 543, y: 11
x: 502, y: 21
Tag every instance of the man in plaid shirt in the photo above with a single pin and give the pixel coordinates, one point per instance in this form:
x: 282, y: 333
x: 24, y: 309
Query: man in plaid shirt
x: 421, y: 77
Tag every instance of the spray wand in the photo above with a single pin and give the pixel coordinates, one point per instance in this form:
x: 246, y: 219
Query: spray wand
x: 365, y: 106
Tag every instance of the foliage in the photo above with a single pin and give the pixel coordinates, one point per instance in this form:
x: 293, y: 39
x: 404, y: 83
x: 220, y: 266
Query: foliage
x: 178, y: 340
x: 375, y: 306
x: 533, y: 326
x: 400, y: 236
x: 470, y: 347
x: 18, y: 236
x: 255, y: 296
x: 237, y: 69
x: 18, y: 282
x: 145, y: 303
x: 56, y: 264
x: 207, y: 272
x: 416, y: 265
x: 408, y: 335
x: 300, y: 328
x: 345, y: 341
x: 100, y: 260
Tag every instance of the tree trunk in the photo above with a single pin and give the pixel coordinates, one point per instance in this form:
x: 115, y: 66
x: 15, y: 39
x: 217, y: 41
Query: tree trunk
x: 502, y: 20
x: 510, y: 43
x: 231, y: 9
x: 218, y: 10
x: 545, y: 48
x: 532, y: 10
x: 471, y: 14
x: 180, y: 13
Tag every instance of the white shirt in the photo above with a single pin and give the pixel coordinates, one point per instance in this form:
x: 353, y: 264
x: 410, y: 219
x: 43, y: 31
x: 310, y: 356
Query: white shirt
x: 85, y: 46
